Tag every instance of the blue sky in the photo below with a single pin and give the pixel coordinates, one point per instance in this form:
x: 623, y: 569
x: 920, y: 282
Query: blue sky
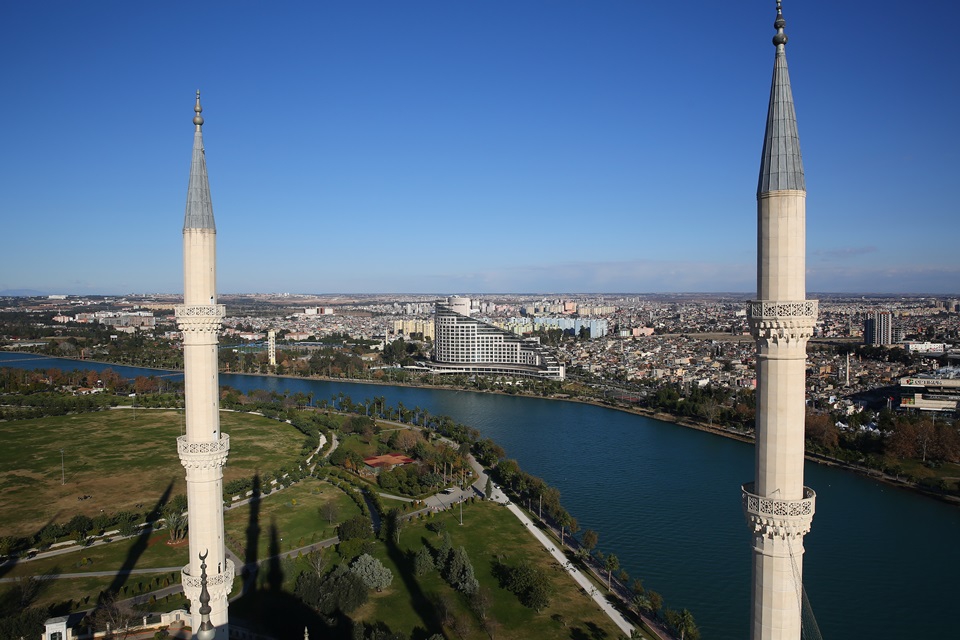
x: 468, y: 146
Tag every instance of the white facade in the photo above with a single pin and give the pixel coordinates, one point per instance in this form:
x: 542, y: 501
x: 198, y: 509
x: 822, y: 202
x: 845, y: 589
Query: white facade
x: 464, y: 344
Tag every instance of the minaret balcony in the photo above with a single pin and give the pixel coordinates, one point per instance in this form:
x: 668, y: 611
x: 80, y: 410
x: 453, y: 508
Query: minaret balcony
x: 218, y: 584
x: 776, y: 517
x: 766, y: 310
x: 200, y: 317
x: 205, y: 455
x: 782, y: 321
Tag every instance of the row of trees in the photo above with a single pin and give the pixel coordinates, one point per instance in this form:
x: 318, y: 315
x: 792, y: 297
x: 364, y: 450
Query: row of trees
x: 543, y: 501
x: 82, y: 527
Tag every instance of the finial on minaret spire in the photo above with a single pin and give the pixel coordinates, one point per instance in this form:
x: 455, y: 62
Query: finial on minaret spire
x: 206, y: 630
x: 779, y: 24
x: 197, y: 119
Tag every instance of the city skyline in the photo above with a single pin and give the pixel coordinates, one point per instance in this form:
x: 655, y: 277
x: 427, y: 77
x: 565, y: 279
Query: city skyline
x: 440, y: 147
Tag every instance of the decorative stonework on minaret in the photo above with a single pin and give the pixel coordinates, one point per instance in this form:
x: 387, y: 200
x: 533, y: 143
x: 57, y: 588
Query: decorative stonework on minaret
x: 203, y: 450
x: 778, y: 507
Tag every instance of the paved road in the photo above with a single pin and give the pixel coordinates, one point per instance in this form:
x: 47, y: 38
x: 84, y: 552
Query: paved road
x: 96, y: 574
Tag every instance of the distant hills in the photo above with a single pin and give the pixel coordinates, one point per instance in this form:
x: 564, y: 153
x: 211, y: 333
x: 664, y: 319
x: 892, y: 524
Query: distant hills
x: 24, y: 293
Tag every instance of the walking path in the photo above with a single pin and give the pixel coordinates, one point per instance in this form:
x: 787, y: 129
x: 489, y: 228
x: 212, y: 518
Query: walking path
x: 574, y: 572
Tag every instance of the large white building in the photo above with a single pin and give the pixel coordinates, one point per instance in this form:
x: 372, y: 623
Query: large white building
x: 934, y: 391
x: 463, y: 344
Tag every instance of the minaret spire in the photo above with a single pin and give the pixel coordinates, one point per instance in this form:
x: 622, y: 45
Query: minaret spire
x: 781, y: 166
x: 199, y: 213
x: 778, y: 507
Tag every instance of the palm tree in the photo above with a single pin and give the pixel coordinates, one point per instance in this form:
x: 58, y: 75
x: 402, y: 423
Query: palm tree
x: 685, y: 623
x: 612, y: 564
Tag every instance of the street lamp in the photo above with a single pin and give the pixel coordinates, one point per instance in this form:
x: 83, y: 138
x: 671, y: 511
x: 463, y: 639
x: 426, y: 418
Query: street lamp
x: 63, y: 476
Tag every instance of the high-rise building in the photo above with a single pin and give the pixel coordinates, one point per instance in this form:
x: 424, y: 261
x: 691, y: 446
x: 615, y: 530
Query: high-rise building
x: 203, y: 449
x: 466, y: 345
x: 878, y: 328
x: 779, y: 509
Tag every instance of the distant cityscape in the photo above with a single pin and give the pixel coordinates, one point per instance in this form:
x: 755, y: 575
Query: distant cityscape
x: 687, y: 339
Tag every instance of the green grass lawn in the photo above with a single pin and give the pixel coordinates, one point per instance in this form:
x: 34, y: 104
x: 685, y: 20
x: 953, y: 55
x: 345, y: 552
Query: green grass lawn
x: 948, y: 471
x: 354, y: 442
x: 108, y: 557
x: 124, y: 463
x: 293, y: 517
x: 489, y: 531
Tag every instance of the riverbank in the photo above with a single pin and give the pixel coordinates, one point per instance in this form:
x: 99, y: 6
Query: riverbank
x: 874, y: 474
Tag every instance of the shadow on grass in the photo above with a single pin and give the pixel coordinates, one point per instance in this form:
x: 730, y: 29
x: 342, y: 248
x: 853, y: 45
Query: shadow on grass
x: 419, y: 602
x: 138, y: 547
x: 11, y: 562
x: 268, y: 609
x: 248, y: 572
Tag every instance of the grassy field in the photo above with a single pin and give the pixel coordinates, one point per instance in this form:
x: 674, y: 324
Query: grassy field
x: 489, y: 532
x: 127, y: 464
x: 123, y: 462
x: 294, y: 514
x: 410, y: 605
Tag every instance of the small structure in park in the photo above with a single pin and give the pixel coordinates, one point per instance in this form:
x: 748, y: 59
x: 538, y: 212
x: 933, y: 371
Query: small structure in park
x: 374, y: 464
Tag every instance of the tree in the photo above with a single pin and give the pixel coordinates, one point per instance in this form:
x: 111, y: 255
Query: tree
x: 821, y: 431
x: 710, y: 409
x: 317, y: 561
x: 563, y: 519
x: 480, y: 603
x: 656, y: 601
x: 372, y: 572
x: 488, y: 489
x: 589, y: 540
x: 394, y: 523
x: 422, y: 561
x: 528, y: 583
x: 340, y: 590
x: 329, y: 511
x: 405, y: 439
x: 683, y: 622
x: 356, y: 528
x: 113, y: 615
x: 611, y: 564
x: 176, y: 522
x: 459, y: 572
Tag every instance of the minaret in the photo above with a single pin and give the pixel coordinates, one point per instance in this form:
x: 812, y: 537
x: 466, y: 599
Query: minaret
x: 778, y: 507
x: 203, y: 450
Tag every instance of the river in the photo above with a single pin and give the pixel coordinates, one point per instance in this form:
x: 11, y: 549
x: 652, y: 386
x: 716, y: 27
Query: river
x: 881, y: 562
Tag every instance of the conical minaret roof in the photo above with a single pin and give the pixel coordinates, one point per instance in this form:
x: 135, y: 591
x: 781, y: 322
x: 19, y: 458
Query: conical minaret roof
x: 781, y: 166
x: 199, y: 214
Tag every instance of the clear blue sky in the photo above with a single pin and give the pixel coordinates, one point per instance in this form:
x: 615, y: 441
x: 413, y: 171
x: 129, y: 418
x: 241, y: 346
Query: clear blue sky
x: 467, y: 146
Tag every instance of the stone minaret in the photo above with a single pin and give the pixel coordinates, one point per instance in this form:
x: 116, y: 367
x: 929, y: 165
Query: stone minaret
x: 778, y: 507
x: 203, y: 450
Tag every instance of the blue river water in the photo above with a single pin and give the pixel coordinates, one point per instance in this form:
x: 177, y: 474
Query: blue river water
x: 880, y: 562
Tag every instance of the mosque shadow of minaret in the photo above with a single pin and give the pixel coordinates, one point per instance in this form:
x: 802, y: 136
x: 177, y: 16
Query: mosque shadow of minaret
x: 11, y: 562
x: 248, y: 572
x: 263, y: 606
x: 419, y: 602
x: 139, y: 545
